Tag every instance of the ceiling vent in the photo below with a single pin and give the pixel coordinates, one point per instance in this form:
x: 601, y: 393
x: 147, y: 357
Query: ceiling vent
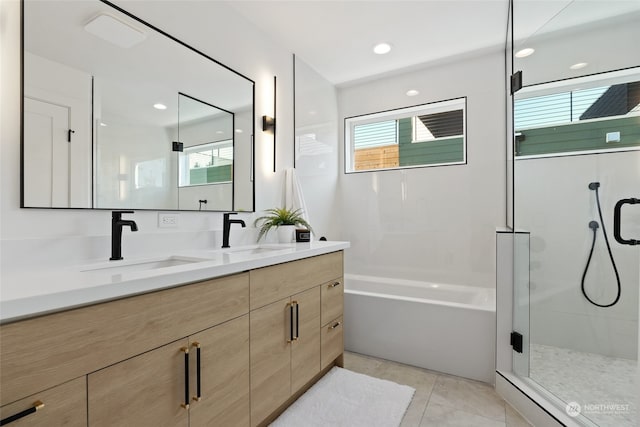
x: 114, y: 31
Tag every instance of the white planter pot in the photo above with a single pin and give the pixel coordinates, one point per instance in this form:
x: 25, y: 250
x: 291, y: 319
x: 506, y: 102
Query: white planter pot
x: 286, y: 233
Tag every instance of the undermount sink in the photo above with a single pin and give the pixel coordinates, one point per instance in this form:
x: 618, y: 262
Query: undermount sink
x: 144, y: 265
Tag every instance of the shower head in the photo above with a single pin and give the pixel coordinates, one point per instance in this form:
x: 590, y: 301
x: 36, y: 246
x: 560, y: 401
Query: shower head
x: 593, y: 225
x: 594, y: 185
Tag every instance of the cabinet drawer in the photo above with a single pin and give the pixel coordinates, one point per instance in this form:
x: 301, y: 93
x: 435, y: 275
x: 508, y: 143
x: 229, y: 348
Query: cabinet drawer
x: 40, y: 353
x: 331, y: 342
x: 64, y: 405
x: 270, y: 284
x: 332, y: 300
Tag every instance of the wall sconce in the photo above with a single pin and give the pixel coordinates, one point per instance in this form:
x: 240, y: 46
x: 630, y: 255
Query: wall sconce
x: 269, y: 124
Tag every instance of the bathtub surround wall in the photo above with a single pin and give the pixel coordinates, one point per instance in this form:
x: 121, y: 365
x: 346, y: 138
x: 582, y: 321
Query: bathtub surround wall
x: 434, y: 224
x: 556, y: 208
x: 31, y: 234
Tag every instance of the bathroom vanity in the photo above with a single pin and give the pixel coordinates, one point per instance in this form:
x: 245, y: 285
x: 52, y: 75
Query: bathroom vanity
x: 236, y: 346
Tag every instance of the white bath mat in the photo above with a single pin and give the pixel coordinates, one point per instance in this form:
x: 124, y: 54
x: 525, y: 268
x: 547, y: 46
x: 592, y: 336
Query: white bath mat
x: 348, y: 399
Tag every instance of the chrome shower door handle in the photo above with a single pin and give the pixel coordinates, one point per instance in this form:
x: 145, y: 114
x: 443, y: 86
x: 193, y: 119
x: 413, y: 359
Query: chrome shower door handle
x: 616, y: 222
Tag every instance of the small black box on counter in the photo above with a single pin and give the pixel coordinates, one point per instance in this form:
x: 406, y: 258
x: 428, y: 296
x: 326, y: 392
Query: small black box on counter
x: 303, y: 235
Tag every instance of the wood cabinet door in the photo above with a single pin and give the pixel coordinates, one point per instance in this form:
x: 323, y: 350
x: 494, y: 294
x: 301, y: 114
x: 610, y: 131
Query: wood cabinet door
x: 64, y: 405
x: 146, y: 390
x: 270, y: 354
x: 305, y: 350
x: 224, y: 375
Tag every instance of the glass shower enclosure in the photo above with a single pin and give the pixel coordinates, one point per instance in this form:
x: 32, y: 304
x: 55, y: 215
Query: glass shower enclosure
x: 576, y: 205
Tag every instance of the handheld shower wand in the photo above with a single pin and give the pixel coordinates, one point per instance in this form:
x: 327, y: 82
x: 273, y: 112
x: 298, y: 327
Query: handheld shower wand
x: 593, y: 225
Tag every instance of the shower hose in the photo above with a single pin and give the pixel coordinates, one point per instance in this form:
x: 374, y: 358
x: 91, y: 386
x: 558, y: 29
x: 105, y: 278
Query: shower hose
x: 594, y: 226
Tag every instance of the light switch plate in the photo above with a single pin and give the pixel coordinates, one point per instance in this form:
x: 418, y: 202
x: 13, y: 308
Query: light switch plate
x: 168, y: 220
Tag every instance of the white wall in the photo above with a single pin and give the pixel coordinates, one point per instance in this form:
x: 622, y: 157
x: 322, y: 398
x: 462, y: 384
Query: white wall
x: 435, y: 224
x: 31, y: 236
x: 120, y: 147
x: 554, y: 203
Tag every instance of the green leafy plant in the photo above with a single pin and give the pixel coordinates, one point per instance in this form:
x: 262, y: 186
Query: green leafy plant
x: 280, y: 216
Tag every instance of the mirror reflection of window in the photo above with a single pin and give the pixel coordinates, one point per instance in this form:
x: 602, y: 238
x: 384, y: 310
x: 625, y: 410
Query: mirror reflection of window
x: 207, y: 164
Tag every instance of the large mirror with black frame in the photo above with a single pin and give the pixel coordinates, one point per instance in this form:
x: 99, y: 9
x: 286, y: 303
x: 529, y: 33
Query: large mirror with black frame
x: 117, y: 114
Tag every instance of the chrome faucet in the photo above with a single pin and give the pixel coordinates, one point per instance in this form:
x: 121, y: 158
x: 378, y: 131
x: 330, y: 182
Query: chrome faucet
x: 116, y: 232
x: 226, y: 227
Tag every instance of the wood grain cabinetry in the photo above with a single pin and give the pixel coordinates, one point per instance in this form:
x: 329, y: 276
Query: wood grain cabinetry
x: 152, y: 388
x: 40, y: 353
x: 224, y: 397
x: 229, y: 351
x: 270, y: 358
x: 286, y: 334
x: 305, y: 349
x: 331, y: 333
x: 64, y: 405
x: 127, y: 350
x: 143, y: 390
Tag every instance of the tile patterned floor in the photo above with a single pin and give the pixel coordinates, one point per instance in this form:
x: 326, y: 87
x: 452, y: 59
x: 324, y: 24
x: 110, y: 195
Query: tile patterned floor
x: 589, y: 379
x: 441, y: 400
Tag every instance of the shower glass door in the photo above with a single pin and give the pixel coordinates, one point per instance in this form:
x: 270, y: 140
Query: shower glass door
x: 576, y: 181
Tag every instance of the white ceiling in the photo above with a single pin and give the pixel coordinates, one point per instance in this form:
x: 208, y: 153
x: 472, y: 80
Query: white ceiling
x: 336, y: 38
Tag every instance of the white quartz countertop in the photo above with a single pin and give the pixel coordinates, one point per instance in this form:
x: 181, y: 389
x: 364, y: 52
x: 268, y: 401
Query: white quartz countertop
x: 33, y: 293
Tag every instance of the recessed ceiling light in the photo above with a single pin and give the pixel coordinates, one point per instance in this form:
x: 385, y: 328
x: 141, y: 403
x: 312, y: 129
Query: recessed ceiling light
x: 382, y: 48
x: 412, y: 92
x: 523, y: 53
x: 578, y: 66
x: 238, y: 130
x: 159, y: 106
x: 219, y: 132
x: 102, y: 124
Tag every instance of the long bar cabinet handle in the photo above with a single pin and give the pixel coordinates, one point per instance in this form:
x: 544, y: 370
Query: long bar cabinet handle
x: 36, y: 406
x: 290, y: 322
x: 185, y: 350
x: 333, y: 285
x: 198, y: 396
x: 335, y: 325
x: 297, y: 321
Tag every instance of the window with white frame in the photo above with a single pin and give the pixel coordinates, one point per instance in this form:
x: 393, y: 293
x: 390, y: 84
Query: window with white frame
x: 424, y: 135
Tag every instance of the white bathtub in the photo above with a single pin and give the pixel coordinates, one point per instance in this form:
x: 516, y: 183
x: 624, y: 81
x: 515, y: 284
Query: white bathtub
x: 445, y: 328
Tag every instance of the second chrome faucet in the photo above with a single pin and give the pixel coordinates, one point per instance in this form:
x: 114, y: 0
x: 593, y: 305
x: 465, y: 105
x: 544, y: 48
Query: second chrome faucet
x: 226, y: 227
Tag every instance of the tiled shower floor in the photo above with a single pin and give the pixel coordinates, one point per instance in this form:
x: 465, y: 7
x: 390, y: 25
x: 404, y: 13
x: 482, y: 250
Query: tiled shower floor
x: 590, y: 380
